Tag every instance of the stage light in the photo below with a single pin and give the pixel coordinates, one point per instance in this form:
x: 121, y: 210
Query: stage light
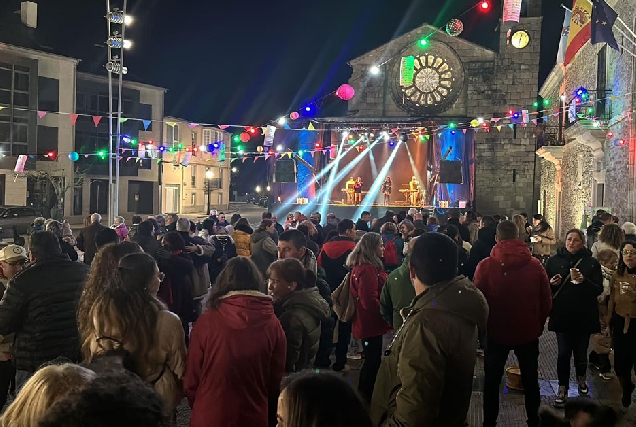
x: 546, y: 102
x: 282, y: 120
x: 234, y: 170
x: 268, y: 188
x: 535, y: 104
x: 345, y: 133
x: 375, y: 70
x: 115, y: 41
x: 620, y: 142
x: 310, y: 109
x: 372, y: 135
x: 562, y: 97
x: 116, y: 68
x: 582, y: 93
x: 279, y: 148
x: 180, y: 146
x: 480, y: 120
x: 590, y: 110
x: 510, y: 113
x: 236, y: 138
x: 452, y: 132
x: 423, y: 42
x: 127, y: 44
x: 484, y: 6
x: 610, y: 134
x: 251, y: 130
x: 300, y: 153
x: 317, y: 145
x: 452, y: 125
x: 128, y: 20
x: 50, y: 155
x: 391, y: 143
x: 516, y: 115
x: 125, y: 139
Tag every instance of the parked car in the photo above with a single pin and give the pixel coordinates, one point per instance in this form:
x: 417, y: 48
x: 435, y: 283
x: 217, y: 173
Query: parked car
x: 19, y: 218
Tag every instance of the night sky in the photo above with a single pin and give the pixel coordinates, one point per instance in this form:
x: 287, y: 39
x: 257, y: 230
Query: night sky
x: 251, y: 61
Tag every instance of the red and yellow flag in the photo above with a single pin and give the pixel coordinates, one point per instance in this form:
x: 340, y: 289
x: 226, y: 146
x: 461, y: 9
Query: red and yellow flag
x: 580, y: 28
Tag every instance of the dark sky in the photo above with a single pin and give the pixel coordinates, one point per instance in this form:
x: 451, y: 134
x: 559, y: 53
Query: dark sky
x: 250, y: 61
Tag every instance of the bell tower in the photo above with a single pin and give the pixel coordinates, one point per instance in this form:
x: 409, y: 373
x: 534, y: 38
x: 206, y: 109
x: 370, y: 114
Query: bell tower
x: 533, y: 8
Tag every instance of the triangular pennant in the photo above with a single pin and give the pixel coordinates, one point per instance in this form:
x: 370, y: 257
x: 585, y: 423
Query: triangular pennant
x: 244, y: 158
x: 311, y: 126
x: 146, y: 124
x: 223, y: 127
x: 267, y: 156
x: 495, y: 119
x: 41, y: 114
x: 171, y: 124
x: 255, y: 159
x: 193, y: 125
x: 464, y: 130
x: 427, y: 137
x: 123, y: 120
x: 73, y: 118
x: 476, y: 130
x: 96, y: 120
x: 534, y: 121
x: 312, y: 154
x: 499, y: 128
x: 2, y: 108
x: 555, y: 114
x: 286, y: 126
x: 511, y: 126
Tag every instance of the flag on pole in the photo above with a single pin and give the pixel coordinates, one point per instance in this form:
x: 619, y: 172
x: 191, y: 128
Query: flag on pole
x: 603, y: 19
x: 565, y: 32
x: 580, y: 29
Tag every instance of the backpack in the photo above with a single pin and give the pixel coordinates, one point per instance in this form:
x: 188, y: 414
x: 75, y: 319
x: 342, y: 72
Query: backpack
x: 344, y: 304
x: 390, y: 252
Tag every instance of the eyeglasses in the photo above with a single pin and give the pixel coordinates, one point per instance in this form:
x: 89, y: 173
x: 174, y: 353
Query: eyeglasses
x: 629, y: 252
x: 161, y: 276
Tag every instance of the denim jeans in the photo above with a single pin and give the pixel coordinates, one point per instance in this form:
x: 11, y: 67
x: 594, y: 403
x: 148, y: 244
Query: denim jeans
x: 571, y: 344
x: 494, y: 363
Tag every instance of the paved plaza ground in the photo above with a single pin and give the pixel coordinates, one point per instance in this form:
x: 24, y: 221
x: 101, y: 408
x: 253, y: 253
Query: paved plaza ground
x: 512, y: 413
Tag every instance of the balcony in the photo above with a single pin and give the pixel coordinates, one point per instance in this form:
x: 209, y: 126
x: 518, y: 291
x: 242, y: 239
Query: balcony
x: 548, y: 136
x: 595, y: 120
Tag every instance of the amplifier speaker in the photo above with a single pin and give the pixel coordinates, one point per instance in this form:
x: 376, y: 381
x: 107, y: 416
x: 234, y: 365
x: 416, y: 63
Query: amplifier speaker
x: 450, y: 172
x: 285, y: 170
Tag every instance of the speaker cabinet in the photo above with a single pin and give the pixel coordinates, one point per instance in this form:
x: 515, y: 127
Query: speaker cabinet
x: 285, y: 170
x: 450, y: 172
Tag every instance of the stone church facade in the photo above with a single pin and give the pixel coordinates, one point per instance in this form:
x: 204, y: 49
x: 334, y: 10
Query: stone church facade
x: 588, y: 157
x: 481, y: 83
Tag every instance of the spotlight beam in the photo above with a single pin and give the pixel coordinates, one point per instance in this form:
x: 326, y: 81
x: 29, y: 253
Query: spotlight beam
x: 416, y: 173
x: 332, y: 175
x: 377, y: 184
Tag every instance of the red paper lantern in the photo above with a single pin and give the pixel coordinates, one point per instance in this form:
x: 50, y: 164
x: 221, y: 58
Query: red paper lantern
x: 294, y: 115
x: 245, y: 137
x: 345, y: 92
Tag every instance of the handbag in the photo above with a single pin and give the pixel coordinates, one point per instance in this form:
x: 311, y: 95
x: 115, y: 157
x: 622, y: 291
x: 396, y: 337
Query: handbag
x: 567, y: 278
x: 344, y: 304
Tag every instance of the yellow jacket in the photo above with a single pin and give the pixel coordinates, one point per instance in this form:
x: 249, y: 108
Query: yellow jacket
x: 243, y: 243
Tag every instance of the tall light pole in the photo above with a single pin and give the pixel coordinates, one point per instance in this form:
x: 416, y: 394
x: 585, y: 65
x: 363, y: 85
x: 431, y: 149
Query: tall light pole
x: 208, y: 179
x: 115, y: 64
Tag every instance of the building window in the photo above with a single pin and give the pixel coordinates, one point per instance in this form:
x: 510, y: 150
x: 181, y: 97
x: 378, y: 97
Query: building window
x: 194, y: 138
x: 14, y: 93
x: 207, y: 136
x: 193, y: 176
x: 193, y: 200
x: 77, y: 200
x: 176, y: 134
x: 601, y: 83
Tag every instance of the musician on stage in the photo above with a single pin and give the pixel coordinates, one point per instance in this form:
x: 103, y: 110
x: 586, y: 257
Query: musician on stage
x: 386, y: 190
x: 358, y: 191
x: 414, y: 189
x: 349, y: 186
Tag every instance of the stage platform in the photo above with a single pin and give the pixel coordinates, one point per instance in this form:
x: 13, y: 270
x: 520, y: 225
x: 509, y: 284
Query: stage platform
x: 346, y: 211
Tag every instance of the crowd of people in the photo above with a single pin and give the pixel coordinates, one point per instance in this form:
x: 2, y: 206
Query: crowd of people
x: 252, y: 326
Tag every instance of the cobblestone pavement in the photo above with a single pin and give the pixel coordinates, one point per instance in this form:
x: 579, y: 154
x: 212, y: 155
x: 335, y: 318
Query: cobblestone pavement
x: 512, y: 410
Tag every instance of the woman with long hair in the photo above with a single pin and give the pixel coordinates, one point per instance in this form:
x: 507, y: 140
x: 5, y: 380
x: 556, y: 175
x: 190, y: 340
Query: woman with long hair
x: 241, y: 237
x: 146, y: 237
x: 367, y: 279
x: 47, y: 386
x: 237, y: 352
x: 520, y: 222
x: 126, y: 316
x: 611, y: 237
x: 105, y: 263
x: 576, y: 280
x: 300, y: 309
x: 264, y: 249
x: 622, y: 308
x: 321, y: 399
x: 542, y: 238
x: 470, y: 221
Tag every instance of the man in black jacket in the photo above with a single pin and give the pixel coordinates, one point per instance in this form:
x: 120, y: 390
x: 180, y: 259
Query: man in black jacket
x: 463, y: 230
x: 332, y: 258
x: 40, y: 307
x: 482, y: 247
x: 86, y: 238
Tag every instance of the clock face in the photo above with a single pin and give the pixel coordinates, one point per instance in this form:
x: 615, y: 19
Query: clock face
x: 520, y: 39
x: 432, y: 81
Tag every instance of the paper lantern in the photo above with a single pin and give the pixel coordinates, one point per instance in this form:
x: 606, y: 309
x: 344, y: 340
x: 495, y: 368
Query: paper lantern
x: 474, y: 123
x: 345, y: 92
x: 454, y: 27
x: 245, y: 137
x: 73, y: 156
x: 294, y: 115
x: 259, y: 148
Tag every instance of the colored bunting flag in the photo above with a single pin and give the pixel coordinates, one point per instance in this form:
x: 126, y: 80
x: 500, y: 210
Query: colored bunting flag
x: 223, y: 127
x: 193, y: 125
x: 20, y: 164
x: 463, y: 130
x: 146, y: 124
x: 580, y: 29
x: 73, y: 118
x: 96, y: 120
x: 311, y: 126
x: 123, y: 120
x: 171, y: 124
x: 41, y: 114
x: 603, y: 19
x: 511, y: 126
x: 499, y: 128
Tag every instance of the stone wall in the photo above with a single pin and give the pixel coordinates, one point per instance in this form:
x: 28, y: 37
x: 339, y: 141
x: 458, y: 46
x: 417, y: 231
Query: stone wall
x: 548, y: 191
x: 576, y: 178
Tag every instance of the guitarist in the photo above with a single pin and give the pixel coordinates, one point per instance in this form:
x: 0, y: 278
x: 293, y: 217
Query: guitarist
x: 414, y: 189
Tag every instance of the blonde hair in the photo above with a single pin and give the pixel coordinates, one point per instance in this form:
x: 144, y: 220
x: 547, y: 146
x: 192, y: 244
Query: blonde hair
x: 366, y: 251
x: 46, y: 387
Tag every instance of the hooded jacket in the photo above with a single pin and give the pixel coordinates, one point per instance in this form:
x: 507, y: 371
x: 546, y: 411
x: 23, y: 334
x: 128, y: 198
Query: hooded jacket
x: 397, y: 293
x: 518, y: 293
x: 575, y: 308
x: 264, y: 250
x: 480, y: 250
x: 426, y: 376
x: 366, y: 286
x: 225, y: 384
x: 40, y: 306
x: 241, y: 237
x: 333, y: 257
x: 301, y: 313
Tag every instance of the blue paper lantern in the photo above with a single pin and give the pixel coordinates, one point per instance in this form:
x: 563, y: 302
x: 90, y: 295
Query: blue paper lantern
x: 73, y: 156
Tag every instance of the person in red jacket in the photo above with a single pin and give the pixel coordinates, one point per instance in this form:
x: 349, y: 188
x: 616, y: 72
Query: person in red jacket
x: 517, y: 289
x: 237, y: 353
x: 367, y: 279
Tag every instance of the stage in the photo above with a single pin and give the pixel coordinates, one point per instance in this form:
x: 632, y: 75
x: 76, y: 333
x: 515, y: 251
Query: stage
x: 349, y: 211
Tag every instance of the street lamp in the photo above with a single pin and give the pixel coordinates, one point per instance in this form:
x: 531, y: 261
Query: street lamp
x: 269, y: 188
x: 208, y: 177
x: 234, y: 170
x: 258, y: 188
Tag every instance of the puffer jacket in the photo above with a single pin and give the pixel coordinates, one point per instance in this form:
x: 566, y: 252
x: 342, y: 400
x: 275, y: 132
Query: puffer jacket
x: 426, y: 376
x: 397, y: 293
x: 40, y: 307
x: 243, y: 243
x: 300, y: 314
x: 366, y: 285
x: 575, y: 308
x: 264, y: 250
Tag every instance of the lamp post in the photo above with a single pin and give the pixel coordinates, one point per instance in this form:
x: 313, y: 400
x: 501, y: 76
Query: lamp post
x: 115, y: 64
x: 208, y: 177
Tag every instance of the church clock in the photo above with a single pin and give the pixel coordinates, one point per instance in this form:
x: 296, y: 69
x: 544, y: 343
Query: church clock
x: 520, y: 39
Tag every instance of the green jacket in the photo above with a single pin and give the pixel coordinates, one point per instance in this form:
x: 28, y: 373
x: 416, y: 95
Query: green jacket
x: 300, y: 314
x: 426, y: 376
x: 397, y: 293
